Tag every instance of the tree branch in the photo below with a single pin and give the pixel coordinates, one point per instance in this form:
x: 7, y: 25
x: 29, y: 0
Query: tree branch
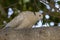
x: 43, y: 33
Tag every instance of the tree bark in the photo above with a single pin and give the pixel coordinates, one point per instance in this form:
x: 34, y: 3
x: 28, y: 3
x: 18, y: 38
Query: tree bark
x: 2, y: 11
x: 43, y: 33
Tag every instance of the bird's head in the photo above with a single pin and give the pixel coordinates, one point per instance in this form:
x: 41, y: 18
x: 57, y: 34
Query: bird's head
x: 39, y: 16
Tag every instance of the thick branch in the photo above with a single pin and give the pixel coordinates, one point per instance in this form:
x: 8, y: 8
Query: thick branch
x: 48, y: 33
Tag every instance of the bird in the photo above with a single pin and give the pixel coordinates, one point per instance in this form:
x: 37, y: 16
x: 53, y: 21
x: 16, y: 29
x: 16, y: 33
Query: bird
x: 25, y: 19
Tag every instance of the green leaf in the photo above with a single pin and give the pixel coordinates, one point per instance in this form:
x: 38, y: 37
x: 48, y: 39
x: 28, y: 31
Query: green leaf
x: 58, y: 2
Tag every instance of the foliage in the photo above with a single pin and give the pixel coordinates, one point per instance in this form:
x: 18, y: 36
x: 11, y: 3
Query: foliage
x: 31, y: 5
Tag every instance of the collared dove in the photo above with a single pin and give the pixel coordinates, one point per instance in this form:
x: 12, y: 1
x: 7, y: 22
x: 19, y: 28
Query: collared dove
x: 25, y: 19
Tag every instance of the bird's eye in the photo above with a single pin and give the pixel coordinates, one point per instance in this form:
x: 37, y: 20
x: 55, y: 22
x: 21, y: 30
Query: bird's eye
x: 39, y: 15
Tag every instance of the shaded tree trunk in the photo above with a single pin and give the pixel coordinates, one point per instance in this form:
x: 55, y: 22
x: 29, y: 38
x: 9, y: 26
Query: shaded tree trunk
x: 2, y: 11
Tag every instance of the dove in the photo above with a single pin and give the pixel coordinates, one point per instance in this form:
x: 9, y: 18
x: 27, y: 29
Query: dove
x: 25, y: 19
